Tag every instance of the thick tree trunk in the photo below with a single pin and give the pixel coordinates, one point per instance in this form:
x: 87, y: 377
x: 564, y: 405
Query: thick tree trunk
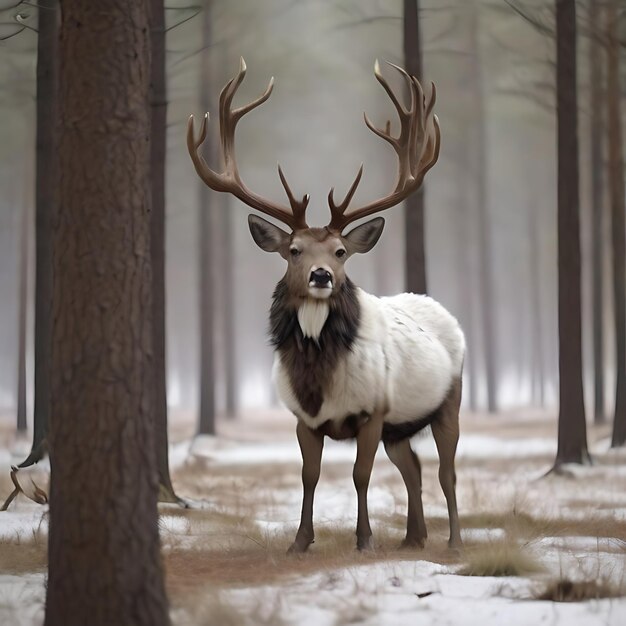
x: 104, y: 562
x: 597, y: 207
x: 572, y: 437
x: 479, y: 164
x: 45, y: 205
x: 157, y: 245
x: 616, y: 190
x: 414, y: 233
x: 206, y: 409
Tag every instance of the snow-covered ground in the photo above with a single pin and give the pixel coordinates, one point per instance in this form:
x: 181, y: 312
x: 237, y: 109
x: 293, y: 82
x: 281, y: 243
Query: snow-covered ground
x: 225, y: 556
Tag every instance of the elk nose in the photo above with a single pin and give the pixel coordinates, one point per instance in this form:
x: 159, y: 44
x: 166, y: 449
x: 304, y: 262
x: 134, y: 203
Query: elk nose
x: 320, y: 276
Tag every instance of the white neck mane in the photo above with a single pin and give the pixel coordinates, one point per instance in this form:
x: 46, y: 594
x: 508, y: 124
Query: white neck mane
x: 312, y: 316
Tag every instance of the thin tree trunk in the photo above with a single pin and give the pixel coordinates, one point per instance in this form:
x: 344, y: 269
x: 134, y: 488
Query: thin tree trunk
x: 463, y: 228
x: 228, y: 308
x: 572, y: 436
x: 484, y: 237
x: 157, y: 245
x: 414, y: 235
x: 45, y: 205
x: 206, y: 420
x: 22, y: 313
x: 225, y: 264
x: 616, y: 187
x: 536, y: 307
x: 104, y: 561
x: 597, y: 188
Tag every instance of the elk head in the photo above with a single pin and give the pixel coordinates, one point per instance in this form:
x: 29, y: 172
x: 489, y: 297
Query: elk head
x: 316, y: 256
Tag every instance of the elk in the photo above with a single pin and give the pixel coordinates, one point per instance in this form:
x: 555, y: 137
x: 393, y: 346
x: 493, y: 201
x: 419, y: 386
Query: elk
x: 349, y: 364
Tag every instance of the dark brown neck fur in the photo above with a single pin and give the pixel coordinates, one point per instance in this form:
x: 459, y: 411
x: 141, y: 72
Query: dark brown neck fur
x: 311, y: 363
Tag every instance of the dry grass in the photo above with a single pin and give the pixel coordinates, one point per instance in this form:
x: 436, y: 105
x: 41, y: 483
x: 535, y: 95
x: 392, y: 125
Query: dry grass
x: 499, y: 558
x: 257, y: 558
x: 24, y: 554
x: 565, y: 590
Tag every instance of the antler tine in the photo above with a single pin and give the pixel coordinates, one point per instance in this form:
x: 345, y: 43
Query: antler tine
x: 383, y: 134
x: 230, y: 180
x: 417, y: 149
x: 337, y: 210
x: 298, y: 207
x: 427, y: 164
x: 409, y: 82
x: 392, y: 96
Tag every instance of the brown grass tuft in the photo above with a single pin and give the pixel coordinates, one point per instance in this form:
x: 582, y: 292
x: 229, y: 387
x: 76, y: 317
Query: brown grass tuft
x: 565, y: 590
x: 499, y: 558
x: 24, y: 554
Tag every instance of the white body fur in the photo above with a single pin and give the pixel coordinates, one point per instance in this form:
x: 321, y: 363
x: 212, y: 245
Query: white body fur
x: 407, y: 354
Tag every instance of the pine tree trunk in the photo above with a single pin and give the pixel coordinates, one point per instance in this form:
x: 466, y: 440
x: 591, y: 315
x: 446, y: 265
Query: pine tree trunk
x: 484, y: 242
x: 22, y: 313
x: 45, y: 209
x: 597, y: 188
x: 616, y: 190
x: 157, y: 245
x: 206, y: 410
x: 414, y: 234
x: 572, y: 436
x: 104, y: 561
x: 536, y: 307
x: 225, y: 267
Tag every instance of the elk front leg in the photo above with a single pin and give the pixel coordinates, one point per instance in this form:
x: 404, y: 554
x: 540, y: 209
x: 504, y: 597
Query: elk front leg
x: 311, y: 445
x: 367, y: 441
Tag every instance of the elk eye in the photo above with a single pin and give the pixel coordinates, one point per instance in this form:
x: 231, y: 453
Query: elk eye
x: 340, y: 253
x: 294, y: 252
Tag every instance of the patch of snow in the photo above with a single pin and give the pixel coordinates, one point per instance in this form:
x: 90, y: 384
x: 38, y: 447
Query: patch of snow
x: 22, y: 599
x: 23, y: 520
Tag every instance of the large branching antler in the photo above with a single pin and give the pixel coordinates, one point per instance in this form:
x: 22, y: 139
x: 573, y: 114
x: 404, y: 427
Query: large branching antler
x: 230, y: 180
x: 417, y: 147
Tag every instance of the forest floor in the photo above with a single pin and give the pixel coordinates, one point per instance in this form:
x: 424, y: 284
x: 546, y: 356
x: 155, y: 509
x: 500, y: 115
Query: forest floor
x: 536, y: 548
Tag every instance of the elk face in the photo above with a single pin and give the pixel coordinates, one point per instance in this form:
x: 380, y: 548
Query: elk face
x: 315, y: 256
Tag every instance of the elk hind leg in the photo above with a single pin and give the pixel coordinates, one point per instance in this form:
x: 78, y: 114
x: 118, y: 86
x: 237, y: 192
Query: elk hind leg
x: 446, y: 434
x: 311, y: 445
x: 403, y: 457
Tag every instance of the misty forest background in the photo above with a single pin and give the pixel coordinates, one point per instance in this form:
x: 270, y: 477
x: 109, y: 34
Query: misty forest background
x: 127, y: 287
x: 491, y: 211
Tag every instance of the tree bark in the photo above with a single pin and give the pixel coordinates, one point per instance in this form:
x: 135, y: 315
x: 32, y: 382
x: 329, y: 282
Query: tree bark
x: 225, y: 266
x: 597, y: 207
x: 572, y: 435
x: 158, y: 148
x: 536, y: 307
x: 616, y: 190
x: 45, y: 206
x: 104, y: 562
x: 22, y: 313
x: 479, y: 165
x: 206, y: 410
x: 414, y: 233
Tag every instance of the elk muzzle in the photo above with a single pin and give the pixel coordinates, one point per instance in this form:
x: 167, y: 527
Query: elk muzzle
x: 320, y: 282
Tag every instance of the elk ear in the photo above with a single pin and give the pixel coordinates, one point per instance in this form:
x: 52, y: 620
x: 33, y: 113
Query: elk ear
x: 267, y: 236
x: 364, y: 237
